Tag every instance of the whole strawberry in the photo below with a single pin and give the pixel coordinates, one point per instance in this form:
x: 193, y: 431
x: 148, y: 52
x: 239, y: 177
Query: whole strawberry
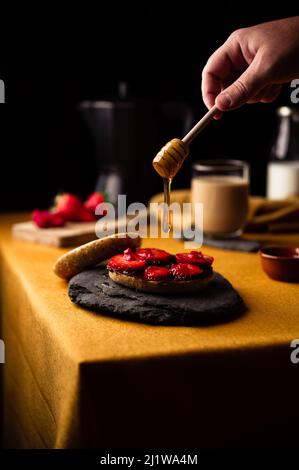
x: 46, y: 219
x: 72, y: 208
x: 93, y: 201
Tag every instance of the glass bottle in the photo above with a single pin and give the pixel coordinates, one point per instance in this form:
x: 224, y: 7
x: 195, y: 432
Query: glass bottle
x: 283, y: 166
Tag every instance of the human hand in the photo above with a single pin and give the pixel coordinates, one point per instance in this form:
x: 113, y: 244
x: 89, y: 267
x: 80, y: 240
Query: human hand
x: 252, y: 65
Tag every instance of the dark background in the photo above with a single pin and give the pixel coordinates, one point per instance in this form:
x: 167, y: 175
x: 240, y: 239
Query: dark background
x: 53, y: 55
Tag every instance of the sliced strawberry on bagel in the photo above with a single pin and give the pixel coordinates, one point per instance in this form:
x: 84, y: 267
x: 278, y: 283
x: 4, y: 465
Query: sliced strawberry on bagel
x: 156, y: 273
x: 128, y: 262
x: 154, y: 256
x: 184, y: 271
x: 195, y: 257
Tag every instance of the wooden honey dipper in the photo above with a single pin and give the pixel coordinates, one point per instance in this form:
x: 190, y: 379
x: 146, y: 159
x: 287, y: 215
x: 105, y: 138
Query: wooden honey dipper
x: 170, y: 158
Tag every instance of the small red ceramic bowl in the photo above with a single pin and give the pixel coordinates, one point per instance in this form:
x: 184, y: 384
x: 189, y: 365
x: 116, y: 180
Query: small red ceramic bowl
x: 281, y: 262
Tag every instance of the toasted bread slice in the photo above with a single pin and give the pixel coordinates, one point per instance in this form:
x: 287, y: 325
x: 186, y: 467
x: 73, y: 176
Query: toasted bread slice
x: 139, y: 283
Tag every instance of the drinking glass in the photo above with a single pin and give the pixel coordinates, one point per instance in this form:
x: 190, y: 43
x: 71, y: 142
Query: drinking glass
x: 222, y: 186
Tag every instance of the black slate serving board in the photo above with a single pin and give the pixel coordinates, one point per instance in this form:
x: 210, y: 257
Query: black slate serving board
x: 231, y: 244
x: 94, y: 290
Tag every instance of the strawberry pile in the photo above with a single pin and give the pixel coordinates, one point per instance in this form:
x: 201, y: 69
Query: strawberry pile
x: 68, y: 208
x: 158, y: 265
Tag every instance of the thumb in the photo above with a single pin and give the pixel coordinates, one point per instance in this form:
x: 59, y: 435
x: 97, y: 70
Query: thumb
x: 242, y: 90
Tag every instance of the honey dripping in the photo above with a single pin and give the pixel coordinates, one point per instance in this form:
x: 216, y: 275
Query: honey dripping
x: 166, y: 225
x: 167, y: 163
x: 169, y: 160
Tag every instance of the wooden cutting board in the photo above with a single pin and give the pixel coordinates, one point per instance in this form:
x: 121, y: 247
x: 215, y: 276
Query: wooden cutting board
x: 74, y: 233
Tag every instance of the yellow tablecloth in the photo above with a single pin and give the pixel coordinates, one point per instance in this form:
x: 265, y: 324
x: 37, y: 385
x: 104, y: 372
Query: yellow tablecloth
x: 73, y: 378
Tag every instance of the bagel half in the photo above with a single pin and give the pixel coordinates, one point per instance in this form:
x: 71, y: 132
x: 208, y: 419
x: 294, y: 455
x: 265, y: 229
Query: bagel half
x: 161, y: 287
x: 93, y: 253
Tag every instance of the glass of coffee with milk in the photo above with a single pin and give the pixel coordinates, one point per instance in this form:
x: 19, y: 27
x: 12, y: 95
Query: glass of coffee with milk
x: 222, y: 186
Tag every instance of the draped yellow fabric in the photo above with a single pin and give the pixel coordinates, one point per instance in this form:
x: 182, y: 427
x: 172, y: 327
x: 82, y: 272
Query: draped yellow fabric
x: 264, y: 214
x: 75, y: 378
